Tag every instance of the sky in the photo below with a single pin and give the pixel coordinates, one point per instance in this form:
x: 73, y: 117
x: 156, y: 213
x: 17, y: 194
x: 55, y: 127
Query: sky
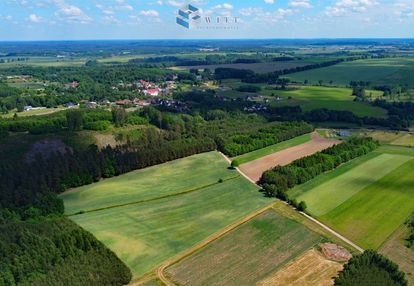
x: 26, y: 20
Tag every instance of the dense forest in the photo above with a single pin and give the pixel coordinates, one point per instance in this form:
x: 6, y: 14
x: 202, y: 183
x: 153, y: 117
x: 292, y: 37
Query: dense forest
x: 277, y: 181
x: 56, y: 252
x: 370, y: 268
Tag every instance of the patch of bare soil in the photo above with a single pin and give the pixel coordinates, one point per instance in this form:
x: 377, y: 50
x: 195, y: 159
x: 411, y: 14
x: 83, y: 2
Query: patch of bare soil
x: 335, y: 252
x: 256, y: 168
x: 309, y: 269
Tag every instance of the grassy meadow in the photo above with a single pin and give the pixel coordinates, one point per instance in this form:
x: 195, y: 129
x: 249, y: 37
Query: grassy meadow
x: 386, y: 71
x: 316, y: 97
x: 157, y: 218
x: 265, y: 243
x: 150, y: 183
x: 366, y: 199
x: 272, y: 149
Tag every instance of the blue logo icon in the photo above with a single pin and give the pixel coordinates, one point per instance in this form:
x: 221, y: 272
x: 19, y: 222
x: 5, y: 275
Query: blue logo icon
x: 188, y: 16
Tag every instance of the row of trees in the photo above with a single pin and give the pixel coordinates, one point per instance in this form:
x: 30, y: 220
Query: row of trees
x: 277, y: 181
x: 370, y: 268
x: 249, y: 76
x: 243, y: 142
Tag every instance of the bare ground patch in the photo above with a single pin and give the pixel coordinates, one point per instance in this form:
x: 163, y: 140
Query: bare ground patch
x: 256, y: 168
x: 309, y: 269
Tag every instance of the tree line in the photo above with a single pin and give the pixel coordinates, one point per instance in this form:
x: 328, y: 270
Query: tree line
x: 370, y: 268
x: 56, y: 252
x: 277, y: 181
x: 247, y: 141
x: 250, y: 76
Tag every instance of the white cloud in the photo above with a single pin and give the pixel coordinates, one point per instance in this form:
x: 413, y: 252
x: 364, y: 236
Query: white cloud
x: 269, y: 1
x: 149, y: 13
x: 34, y: 18
x: 175, y: 3
x: 122, y: 5
x: 70, y: 13
x: 300, y: 4
x: 250, y: 11
x: 347, y: 7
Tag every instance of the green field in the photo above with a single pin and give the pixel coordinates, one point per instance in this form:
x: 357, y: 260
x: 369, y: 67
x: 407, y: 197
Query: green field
x: 316, y: 97
x: 311, y: 98
x: 158, y: 219
x: 328, y: 196
x: 264, y: 244
x: 366, y: 199
x: 272, y: 149
x: 387, y: 71
x: 32, y: 112
x: 146, y: 184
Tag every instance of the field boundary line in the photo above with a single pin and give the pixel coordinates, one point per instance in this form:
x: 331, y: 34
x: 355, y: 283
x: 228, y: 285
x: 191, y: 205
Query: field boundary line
x: 333, y: 232
x: 238, y: 169
x: 208, y: 240
x: 324, y: 226
x: 155, y: 199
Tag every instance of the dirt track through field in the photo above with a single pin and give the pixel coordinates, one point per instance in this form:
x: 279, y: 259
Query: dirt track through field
x: 166, y: 264
x: 256, y: 168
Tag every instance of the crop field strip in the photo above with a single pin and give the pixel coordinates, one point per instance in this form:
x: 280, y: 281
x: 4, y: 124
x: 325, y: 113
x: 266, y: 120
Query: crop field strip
x: 267, y: 242
x: 149, y: 183
x: 146, y: 233
x: 360, y: 199
x: 248, y: 157
x: 377, y: 71
x: 373, y: 214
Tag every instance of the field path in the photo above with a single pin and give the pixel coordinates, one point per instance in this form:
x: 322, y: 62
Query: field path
x: 169, y: 262
x: 334, y: 232
x: 256, y: 168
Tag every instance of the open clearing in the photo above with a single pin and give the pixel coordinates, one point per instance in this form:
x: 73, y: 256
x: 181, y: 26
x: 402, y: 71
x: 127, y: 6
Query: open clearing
x: 365, y: 202
x: 146, y: 233
x: 396, y: 250
x: 272, y: 149
x: 316, y: 97
x: 256, y: 67
x: 309, y: 269
x: 386, y: 71
x: 265, y: 243
x: 255, y: 169
x: 149, y: 183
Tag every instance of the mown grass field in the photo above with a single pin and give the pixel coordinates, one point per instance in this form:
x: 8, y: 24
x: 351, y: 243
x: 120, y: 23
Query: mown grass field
x: 166, y: 179
x: 386, y: 71
x: 365, y: 200
x: 316, y: 97
x: 272, y: 149
x: 331, y: 194
x: 263, y: 244
x: 144, y: 234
